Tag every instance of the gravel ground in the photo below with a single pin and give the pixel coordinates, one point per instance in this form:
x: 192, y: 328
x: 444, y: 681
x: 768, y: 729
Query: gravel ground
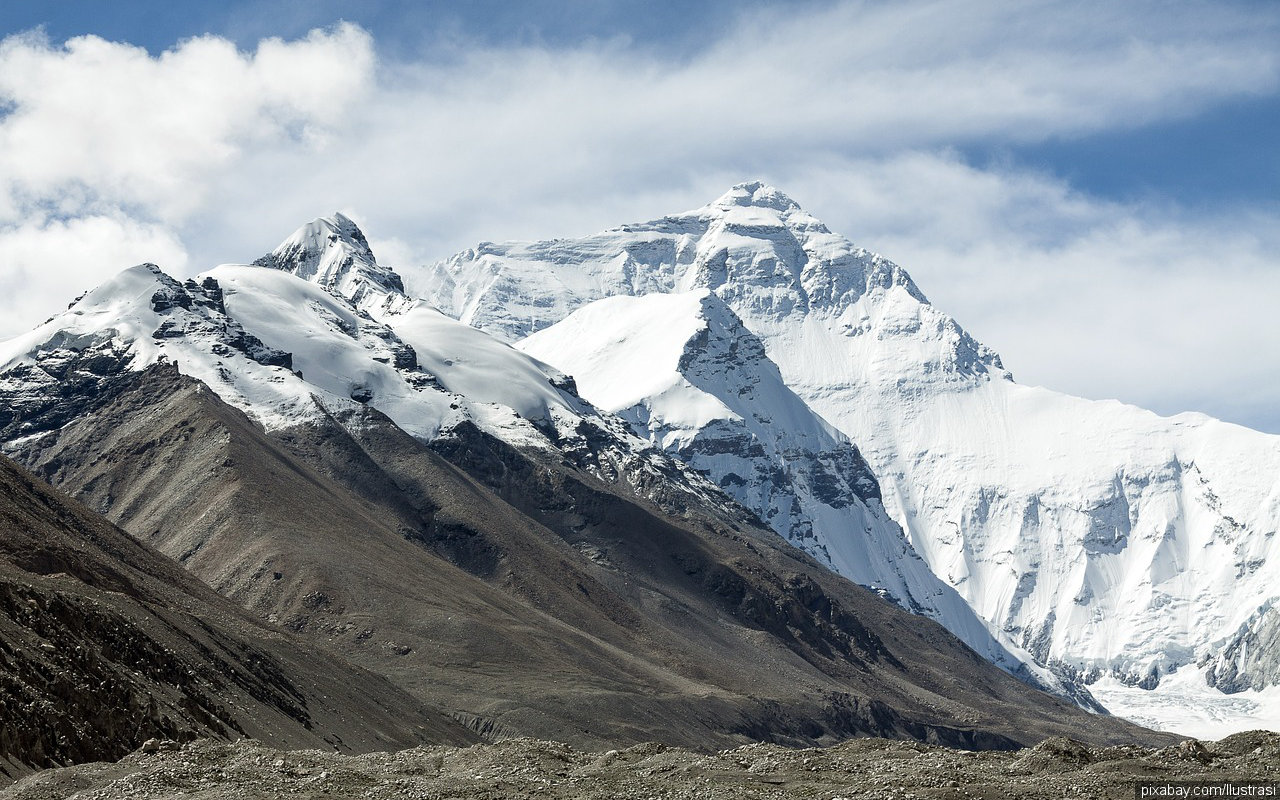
x: 527, y: 768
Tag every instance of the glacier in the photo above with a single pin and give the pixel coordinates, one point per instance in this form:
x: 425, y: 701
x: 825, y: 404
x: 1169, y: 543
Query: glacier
x: 1103, y: 539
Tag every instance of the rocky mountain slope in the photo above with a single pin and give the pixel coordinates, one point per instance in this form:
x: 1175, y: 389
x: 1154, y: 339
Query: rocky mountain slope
x: 104, y: 644
x: 1096, y: 535
x: 446, y: 511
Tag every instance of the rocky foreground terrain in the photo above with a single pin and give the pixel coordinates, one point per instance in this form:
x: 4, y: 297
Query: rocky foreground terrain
x: 528, y: 768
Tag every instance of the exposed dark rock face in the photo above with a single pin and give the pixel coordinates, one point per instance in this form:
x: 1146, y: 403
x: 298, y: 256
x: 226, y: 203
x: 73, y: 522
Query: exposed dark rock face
x: 1251, y: 660
x: 794, y: 608
x: 335, y: 253
x: 75, y: 375
x: 209, y: 318
x: 71, y: 380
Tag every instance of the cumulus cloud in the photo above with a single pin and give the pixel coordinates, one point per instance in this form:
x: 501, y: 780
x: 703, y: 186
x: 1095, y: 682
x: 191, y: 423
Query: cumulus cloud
x: 44, y: 265
x: 214, y: 154
x: 95, y: 124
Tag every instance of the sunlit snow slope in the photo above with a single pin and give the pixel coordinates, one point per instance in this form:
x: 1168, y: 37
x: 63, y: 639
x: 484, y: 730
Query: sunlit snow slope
x: 292, y: 340
x: 322, y: 357
x: 1097, y: 535
x: 687, y: 375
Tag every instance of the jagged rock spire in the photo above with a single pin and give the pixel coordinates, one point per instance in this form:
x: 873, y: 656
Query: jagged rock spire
x: 334, y: 253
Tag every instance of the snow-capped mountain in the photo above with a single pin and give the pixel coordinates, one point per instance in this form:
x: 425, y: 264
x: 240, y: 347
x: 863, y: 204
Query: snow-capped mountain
x: 1097, y: 535
x: 447, y: 511
x: 1092, y: 535
x: 311, y: 300
x: 323, y: 351
x: 809, y: 483
x: 688, y: 376
x: 333, y: 253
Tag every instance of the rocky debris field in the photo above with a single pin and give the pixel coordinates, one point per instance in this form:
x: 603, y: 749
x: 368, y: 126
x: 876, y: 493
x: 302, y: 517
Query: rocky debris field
x: 527, y: 768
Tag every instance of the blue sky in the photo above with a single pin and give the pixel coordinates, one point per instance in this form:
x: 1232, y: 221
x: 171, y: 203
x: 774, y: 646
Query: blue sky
x: 404, y: 29
x: 1091, y: 188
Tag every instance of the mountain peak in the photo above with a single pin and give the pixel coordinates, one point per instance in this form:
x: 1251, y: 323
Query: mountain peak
x: 334, y: 253
x: 758, y: 194
x: 306, y: 247
x: 341, y: 226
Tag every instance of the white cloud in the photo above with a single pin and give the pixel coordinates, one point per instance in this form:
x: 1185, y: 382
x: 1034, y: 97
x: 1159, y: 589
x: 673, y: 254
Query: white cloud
x: 526, y: 141
x: 43, y: 266
x: 218, y: 154
x: 918, y: 72
x: 104, y: 124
